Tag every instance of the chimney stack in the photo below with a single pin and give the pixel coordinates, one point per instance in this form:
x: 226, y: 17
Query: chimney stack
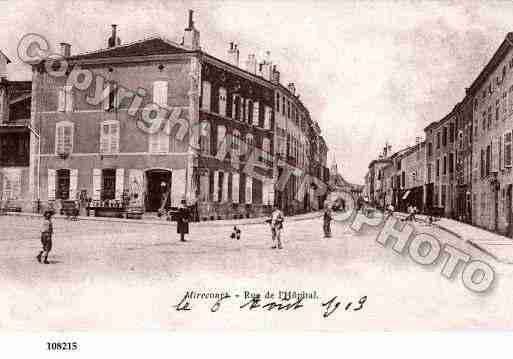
x: 265, y: 67
x: 275, y: 75
x: 233, y: 54
x: 65, y: 49
x: 251, y: 64
x: 292, y: 88
x: 114, y: 40
x: 191, y: 38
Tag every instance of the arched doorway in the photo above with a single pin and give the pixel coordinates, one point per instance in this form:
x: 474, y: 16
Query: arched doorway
x: 158, y: 190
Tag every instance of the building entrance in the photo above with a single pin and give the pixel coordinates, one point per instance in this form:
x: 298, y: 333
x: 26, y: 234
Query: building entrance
x: 158, y: 195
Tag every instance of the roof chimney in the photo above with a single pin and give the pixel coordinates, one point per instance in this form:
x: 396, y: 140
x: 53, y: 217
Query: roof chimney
x: 265, y: 67
x: 191, y: 38
x: 275, y: 75
x: 65, y: 49
x: 233, y: 54
x: 114, y: 40
x: 251, y: 64
x: 292, y: 88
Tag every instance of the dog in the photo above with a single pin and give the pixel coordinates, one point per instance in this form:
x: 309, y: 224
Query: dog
x: 236, y: 233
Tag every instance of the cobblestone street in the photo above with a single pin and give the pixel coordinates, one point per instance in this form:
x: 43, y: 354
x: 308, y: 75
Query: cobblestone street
x: 111, y: 275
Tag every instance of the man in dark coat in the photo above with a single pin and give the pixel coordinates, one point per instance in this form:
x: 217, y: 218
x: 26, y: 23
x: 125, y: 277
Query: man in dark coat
x: 182, y: 220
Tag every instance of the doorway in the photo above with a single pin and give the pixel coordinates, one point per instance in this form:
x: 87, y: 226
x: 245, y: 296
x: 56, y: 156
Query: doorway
x: 158, y: 190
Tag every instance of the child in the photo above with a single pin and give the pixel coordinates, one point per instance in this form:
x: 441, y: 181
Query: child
x: 46, y: 236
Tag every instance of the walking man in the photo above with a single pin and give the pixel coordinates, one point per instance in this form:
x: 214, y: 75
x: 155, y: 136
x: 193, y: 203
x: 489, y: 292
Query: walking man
x: 182, y: 220
x: 46, y: 237
x: 276, y: 223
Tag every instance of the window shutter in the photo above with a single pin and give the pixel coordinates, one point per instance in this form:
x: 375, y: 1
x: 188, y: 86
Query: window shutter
x: 221, y: 133
x: 104, y: 138
x: 97, y: 184
x: 249, y: 190
x: 256, y: 113
x: 216, y: 187
x: 500, y: 152
x: 59, y: 142
x: 68, y: 138
x: 206, y: 95
x: 61, y: 106
x: 177, y: 187
x: 106, y: 100
x: 51, y: 184
x: 114, y: 137
x: 160, y: 93
x: 225, y: 187
x: 136, y: 184
x: 235, y: 187
x: 69, y: 98
x: 247, y: 108
x: 120, y: 182
x: 204, y: 187
x: 73, y: 184
x: 268, y: 113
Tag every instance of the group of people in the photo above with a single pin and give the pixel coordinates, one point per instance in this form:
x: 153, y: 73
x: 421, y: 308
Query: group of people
x: 182, y: 217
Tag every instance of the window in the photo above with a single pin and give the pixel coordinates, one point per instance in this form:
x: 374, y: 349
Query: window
x: 108, y: 184
x: 507, y: 149
x: 205, y: 138
x: 504, y: 105
x: 444, y: 136
x: 65, y: 99
x: 488, y: 159
x: 497, y: 110
x: 160, y: 93
x: 236, y: 142
x: 451, y: 162
x: 109, y: 103
x: 443, y: 194
x: 445, y: 166
x: 266, y: 148
x: 489, y: 124
x: 64, y: 137
x: 451, y: 132
x: 159, y: 141
x: 249, y: 143
x: 206, y: 95
x: 429, y: 173
x: 403, y: 179
x: 483, y: 164
x: 222, y: 101
x: 438, y: 140
x: 249, y: 189
x: 511, y: 100
x: 109, y: 137
x: 277, y: 102
x: 256, y: 114
x: 235, y: 107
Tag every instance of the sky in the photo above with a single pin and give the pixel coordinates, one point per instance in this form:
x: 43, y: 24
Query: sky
x: 370, y: 73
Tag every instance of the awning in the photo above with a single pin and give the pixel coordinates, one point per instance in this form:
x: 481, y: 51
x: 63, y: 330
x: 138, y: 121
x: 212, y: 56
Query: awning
x: 406, y: 194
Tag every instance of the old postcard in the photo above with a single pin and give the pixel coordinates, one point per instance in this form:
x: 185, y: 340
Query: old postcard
x: 273, y: 166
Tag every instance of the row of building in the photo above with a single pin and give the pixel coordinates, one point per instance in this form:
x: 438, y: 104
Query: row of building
x: 56, y: 144
x: 463, y: 167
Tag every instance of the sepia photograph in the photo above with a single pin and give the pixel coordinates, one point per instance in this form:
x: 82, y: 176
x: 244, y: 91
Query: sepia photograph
x: 255, y: 166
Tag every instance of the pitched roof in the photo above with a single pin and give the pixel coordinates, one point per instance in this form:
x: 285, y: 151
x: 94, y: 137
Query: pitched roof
x: 1, y: 53
x: 495, y: 61
x: 151, y: 46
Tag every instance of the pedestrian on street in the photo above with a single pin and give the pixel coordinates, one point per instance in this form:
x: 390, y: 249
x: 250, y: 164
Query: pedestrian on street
x: 182, y: 220
x: 327, y: 218
x: 413, y: 212
x: 390, y: 210
x: 46, y: 236
x: 276, y: 223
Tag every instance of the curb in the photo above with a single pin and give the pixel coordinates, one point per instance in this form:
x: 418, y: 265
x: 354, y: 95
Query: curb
x: 218, y: 223
x: 477, y: 246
